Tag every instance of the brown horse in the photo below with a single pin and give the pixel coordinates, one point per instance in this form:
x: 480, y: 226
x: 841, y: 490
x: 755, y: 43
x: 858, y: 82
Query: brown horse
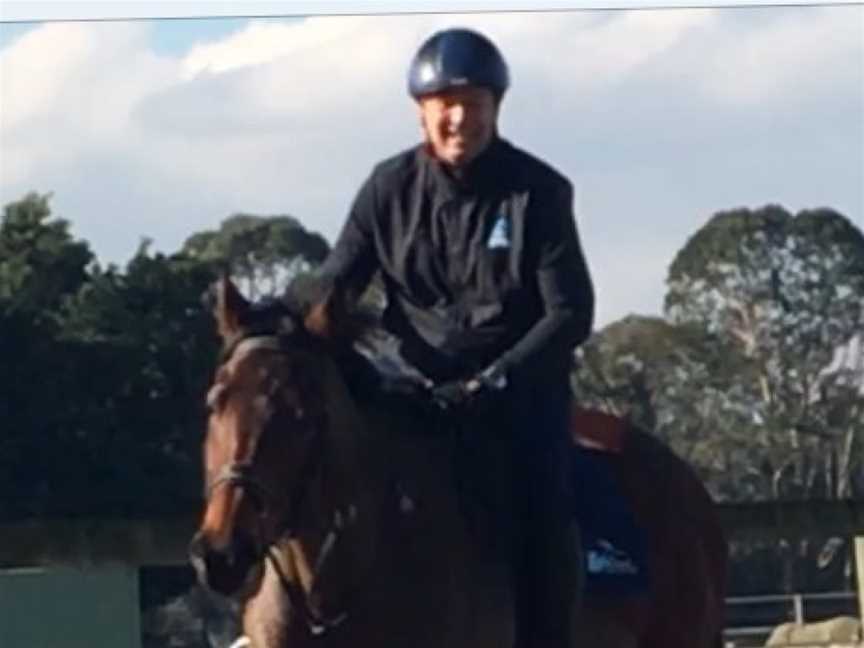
x: 341, y: 524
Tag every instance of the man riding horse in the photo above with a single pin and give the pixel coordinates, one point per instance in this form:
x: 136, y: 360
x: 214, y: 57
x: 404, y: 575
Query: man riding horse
x: 488, y: 294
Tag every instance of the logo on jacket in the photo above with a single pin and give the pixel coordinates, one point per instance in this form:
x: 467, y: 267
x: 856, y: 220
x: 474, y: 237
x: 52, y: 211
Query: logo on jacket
x: 499, y: 237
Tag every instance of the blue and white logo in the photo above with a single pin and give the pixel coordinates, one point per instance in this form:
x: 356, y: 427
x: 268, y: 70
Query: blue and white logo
x: 605, y: 558
x: 499, y: 237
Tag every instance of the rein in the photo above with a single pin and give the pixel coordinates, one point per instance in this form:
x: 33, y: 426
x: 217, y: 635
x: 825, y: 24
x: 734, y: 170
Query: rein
x: 317, y: 624
x: 240, y: 474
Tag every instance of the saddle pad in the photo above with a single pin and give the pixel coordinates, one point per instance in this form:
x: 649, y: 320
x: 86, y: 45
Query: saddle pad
x: 597, y: 430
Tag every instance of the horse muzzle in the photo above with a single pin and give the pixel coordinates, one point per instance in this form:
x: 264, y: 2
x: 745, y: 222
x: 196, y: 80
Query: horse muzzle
x: 227, y: 570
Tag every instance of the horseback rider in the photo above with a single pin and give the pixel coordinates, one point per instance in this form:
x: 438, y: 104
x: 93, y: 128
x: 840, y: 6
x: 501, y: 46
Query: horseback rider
x: 488, y: 294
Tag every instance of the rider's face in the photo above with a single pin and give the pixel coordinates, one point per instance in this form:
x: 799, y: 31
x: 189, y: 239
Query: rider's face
x: 459, y: 123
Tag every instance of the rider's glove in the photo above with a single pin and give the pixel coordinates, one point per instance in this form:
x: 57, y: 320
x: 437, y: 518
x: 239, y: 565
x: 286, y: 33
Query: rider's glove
x: 461, y: 393
x: 451, y: 394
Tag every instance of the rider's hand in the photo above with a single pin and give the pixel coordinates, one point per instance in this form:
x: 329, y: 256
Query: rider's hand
x: 461, y: 393
x: 403, y: 385
x: 449, y: 395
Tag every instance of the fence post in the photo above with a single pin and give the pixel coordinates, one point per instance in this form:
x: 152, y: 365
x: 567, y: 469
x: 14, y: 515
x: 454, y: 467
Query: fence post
x: 798, y: 604
x: 859, y: 571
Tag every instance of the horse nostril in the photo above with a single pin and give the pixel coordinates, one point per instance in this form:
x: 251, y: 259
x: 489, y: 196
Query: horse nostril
x: 223, y: 570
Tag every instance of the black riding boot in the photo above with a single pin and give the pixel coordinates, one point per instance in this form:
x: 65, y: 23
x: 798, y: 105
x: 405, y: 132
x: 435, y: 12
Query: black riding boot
x: 549, y: 567
x: 549, y: 578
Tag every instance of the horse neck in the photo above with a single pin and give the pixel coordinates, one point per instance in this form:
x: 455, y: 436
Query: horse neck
x: 337, y: 534
x: 345, y: 478
x: 375, y: 462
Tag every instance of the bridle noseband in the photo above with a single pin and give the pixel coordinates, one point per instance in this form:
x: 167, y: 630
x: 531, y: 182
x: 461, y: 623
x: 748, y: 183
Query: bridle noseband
x: 240, y: 474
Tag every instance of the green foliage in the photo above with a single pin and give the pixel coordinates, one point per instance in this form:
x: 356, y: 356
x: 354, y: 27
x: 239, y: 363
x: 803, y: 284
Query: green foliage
x: 768, y: 278
x: 103, y: 370
x: 40, y: 263
x: 154, y: 346
x: 671, y: 379
x: 787, y: 292
x: 756, y: 373
x: 262, y: 253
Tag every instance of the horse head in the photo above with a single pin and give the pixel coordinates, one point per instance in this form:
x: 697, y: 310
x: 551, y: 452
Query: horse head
x: 268, y: 417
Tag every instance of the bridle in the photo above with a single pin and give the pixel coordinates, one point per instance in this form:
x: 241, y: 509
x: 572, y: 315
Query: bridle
x: 241, y: 475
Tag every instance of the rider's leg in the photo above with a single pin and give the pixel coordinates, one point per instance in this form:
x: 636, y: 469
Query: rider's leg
x: 549, y: 560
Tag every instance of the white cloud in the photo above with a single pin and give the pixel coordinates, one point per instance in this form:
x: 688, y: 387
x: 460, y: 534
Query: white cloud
x: 802, y: 52
x: 290, y: 116
x: 605, y: 54
x: 263, y: 42
x: 31, y: 70
x: 67, y: 89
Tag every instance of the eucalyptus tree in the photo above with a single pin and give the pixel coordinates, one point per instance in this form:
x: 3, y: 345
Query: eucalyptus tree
x: 788, y: 292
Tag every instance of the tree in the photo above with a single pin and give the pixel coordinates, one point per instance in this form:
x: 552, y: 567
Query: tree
x: 756, y: 373
x: 788, y: 292
x: 41, y: 266
x: 673, y: 381
x: 103, y: 369
x: 262, y: 253
x: 40, y: 263
x: 149, y: 348
x: 102, y: 375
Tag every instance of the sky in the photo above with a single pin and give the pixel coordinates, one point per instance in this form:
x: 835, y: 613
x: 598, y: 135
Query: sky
x: 661, y: 118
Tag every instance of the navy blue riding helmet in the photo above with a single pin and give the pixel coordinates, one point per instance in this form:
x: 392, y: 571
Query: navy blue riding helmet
x: 457, y: 57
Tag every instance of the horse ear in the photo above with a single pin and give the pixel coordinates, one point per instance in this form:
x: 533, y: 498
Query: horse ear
x: 230, y: 307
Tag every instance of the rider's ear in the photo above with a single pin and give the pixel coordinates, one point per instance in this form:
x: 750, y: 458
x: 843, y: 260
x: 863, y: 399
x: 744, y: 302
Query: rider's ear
x: 230, y: 307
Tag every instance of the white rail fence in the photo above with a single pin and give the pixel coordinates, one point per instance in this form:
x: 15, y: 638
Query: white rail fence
x: 788, y: 607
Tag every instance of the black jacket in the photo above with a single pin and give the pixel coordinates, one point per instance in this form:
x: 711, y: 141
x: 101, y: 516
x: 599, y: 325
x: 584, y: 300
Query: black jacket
x: 478, y: 269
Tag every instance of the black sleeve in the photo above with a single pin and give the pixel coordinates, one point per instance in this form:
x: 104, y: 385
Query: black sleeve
x: 565, y: 287
x: 353, y: 260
